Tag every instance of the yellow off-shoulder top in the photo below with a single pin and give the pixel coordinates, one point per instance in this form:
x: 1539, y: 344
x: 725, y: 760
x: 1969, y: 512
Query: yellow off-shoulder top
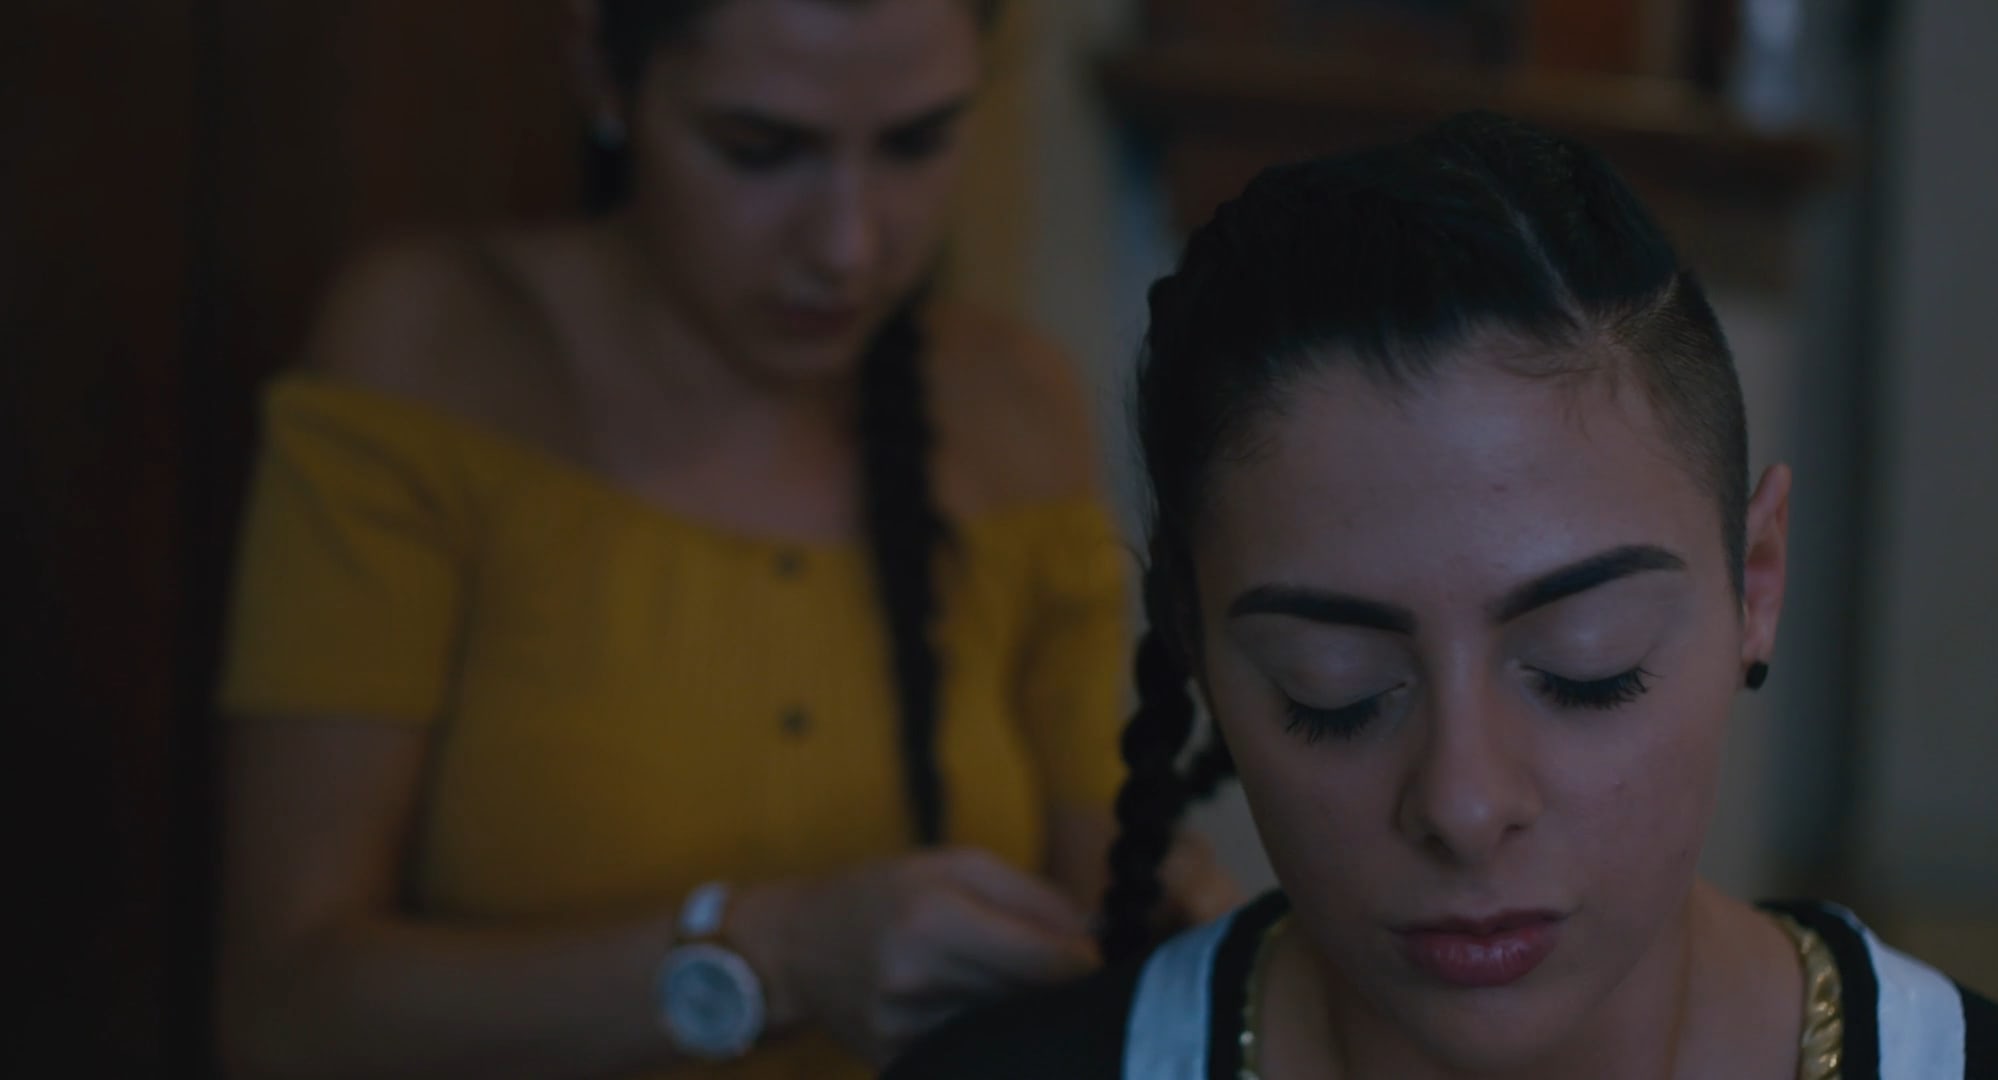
x: 626, y: 703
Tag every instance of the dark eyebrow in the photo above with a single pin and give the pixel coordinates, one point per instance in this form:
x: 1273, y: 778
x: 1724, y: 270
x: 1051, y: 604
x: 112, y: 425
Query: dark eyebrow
x: 1594, y: 571
x: 1335, y: 609
x: 770, y: 124
x: 1339, y: 609
x: 933, y: 117
x: 763, y: 123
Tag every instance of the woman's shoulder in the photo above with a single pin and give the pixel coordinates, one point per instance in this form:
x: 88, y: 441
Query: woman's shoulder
x: 1908, y: 1016
x: 447, y: 322
x: 1013, y: 405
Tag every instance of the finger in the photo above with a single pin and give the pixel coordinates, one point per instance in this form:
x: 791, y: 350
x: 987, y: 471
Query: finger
x: 1024, y: 896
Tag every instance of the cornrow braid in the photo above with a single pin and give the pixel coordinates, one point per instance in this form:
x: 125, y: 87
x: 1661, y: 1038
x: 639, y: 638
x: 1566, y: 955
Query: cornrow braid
x: 1156, y: 793
x: 905, y: 530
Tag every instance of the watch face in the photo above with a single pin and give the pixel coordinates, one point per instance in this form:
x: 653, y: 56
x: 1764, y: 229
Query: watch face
x: 712, y: 1002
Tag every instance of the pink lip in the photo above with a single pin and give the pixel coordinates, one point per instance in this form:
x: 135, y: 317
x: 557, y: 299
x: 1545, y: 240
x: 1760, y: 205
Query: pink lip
x: 807, y: 321
x: 1481, y: 953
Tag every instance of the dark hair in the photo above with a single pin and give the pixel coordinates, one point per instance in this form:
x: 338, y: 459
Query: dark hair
x: 1390, y: 260
x: 631, y: 33
x: 905, y: 530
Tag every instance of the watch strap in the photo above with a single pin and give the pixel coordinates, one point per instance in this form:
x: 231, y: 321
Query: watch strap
x: 703, y: 912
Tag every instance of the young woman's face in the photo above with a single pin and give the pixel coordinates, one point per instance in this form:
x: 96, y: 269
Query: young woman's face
x: 793, y: 161
x: 1473, y: 647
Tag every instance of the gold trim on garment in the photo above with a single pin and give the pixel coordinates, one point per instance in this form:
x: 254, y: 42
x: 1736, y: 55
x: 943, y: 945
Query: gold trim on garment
x: 1823, y: 1041
x: 1252, y: 1002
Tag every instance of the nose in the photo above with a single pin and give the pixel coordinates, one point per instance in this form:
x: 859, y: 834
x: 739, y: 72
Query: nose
x: 1471, y: 785
x: 846, y: 232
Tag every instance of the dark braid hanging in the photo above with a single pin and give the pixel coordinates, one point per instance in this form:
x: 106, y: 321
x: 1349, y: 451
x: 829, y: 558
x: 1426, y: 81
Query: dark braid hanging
x: 1156, y: 792
x: 905, y: 532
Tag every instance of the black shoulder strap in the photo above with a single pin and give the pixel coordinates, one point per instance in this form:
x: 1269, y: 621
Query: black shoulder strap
x: 1233, y: 963
x: 1859, y: 986
x: 1980, y: 1036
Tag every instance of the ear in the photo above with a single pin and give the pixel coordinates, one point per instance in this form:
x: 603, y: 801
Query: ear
x: 1765, y: 565
x: 589, y: 70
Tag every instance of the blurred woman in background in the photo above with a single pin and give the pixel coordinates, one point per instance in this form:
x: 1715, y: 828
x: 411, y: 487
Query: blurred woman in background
x: 664, y: 638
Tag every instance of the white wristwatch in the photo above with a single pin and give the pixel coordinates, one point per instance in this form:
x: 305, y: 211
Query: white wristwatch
x: 710, y: 1000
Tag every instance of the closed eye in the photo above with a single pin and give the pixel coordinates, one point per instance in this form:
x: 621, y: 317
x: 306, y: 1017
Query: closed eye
x: 920, y: 141
x: 760, y: 153
x: 1344, y: 722
x: 1612, y: 692
x: 924, y: 135
x: 753, y: 141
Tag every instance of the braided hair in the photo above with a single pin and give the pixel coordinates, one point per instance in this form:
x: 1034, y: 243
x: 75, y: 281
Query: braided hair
x: 905, y: 530
x: 1390, y: 261
x: 904, y: 527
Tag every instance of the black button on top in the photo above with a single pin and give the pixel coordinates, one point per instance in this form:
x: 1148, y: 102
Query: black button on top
x: 790, y: 564
x: 797, y: 723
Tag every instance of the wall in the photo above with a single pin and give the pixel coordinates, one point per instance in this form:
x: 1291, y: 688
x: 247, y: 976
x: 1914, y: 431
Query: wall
x: 1100, y: 238
x: 97, y: 115
x: 179, y: 179
x: 1931, y: 847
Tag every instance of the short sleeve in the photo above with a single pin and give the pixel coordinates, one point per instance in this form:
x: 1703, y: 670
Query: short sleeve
x: 1073, y: 685
x: 350, y: 573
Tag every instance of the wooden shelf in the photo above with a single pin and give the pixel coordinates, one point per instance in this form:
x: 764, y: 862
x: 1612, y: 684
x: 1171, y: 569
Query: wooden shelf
x: 1223, y: 110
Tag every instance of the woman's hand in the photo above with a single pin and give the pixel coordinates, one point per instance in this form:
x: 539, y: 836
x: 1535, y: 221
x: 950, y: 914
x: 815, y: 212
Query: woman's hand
x: 880, y: 955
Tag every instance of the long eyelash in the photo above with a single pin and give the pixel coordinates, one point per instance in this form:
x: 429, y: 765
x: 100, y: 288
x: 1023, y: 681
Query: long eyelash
x: 917, y: 144
x: 758, y: 156
x: 1595, y: 693
x: 1345, y: 722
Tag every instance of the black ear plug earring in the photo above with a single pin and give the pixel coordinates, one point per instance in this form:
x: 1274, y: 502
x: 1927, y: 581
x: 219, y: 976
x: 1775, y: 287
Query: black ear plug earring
x: 1758, y: 673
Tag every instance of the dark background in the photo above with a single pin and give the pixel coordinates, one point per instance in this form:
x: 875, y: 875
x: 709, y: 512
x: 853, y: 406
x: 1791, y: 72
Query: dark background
x: 178, y: 180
